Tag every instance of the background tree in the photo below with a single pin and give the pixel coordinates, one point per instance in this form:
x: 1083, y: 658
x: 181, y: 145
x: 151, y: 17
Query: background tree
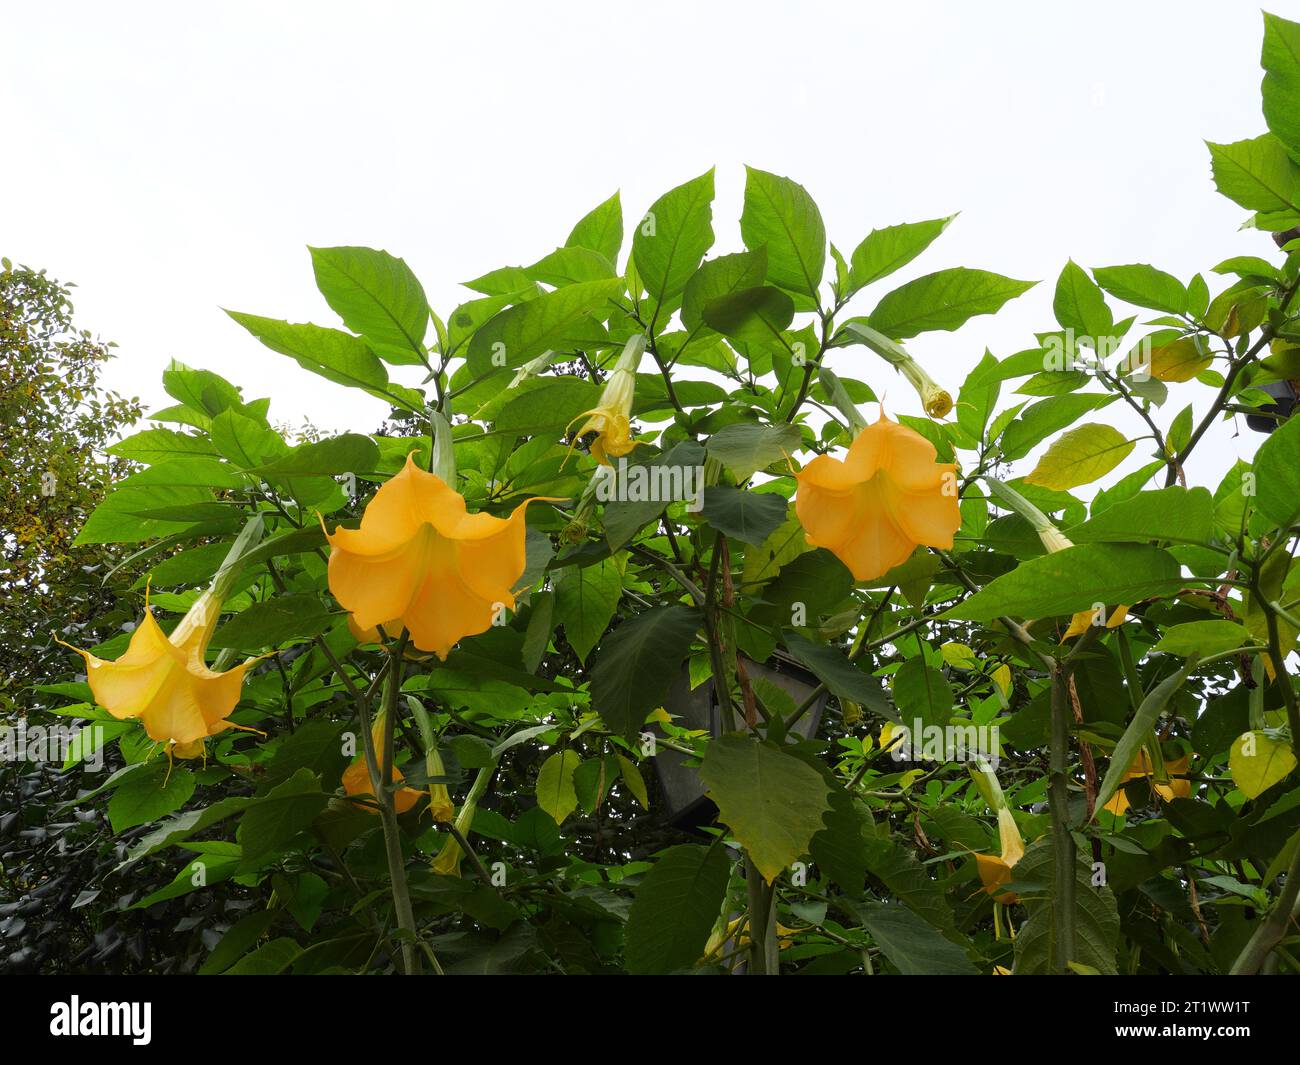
x: 55, y: 421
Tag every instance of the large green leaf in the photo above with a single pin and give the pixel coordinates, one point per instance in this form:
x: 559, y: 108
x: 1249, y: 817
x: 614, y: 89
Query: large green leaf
x: 752, y: 315
x: 944, y: 300
x: 676, y: 906
x: 377, y: 296
x: 550, y: 321
x: 335, y: 355
x: 1181, y: 515
x: 555, y: 791
x: 1281, y: 88
x: 743, y: 515
x: 842, y: 678
x: 780, y: 214
x: 720, y: 277
x: 883, y: 251
x: 1096, y: 921
x: 744, y: 447
x: 148, y: 795
x: 273, y: 622
x: 637, y: 664
x: 1080, y: 306
x: 347, y: 453
x: 1039, y: 421
x: 1144, y: 286
x: 910, y: 943
x: 275, y: 818
x: 600, y: 230
x: 1277, y: 474
x: 585, y: 600
x: 672, y: 239
x: 1065, y: 582
x: 772, y: 801
x: 1259, y: 175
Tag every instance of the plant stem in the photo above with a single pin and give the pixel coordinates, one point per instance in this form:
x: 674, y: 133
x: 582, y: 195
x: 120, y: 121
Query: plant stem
x: 763, y: 945
x: 387, y: 811
x: 1273, y: 929
x: 1063, y: 849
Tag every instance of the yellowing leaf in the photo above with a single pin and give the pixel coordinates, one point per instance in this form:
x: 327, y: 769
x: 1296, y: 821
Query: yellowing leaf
x: 555, y: 792
x: 1180, y: 360
x: 959, y: 656
x: 1258, y: 761
x: 1081, y: 456
x: 1002, y: 678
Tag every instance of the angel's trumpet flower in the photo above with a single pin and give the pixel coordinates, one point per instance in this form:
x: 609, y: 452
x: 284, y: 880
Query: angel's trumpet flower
x: 356, y: 778
x: 164, y: 679
x: 886, y: 498
x: 611, y: 418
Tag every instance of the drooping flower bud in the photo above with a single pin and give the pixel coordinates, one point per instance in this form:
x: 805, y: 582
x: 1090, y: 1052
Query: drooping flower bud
x: 934, y: 398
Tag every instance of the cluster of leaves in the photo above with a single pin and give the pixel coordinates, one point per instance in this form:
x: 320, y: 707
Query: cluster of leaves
x: 577, y: 719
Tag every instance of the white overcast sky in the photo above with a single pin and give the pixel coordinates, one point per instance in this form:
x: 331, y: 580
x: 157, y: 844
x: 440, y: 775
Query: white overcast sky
x: 176, y: 159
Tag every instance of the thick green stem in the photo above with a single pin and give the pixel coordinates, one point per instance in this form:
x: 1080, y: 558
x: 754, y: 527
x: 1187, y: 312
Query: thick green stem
x: 763, y: 945
x: 387, y: 812
x: 1062, y: 839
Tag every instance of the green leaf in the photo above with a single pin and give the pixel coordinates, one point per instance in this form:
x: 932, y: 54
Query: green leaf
x: 747, y: 516
x: 676, y: 906
x: 1259, y: 175
x: 182, y: 826
x: 585, y: 600
x: 333, y: 354
x: 275, y: 818
x: 1281, y: 88
x: 548, y: 322
x: 1080, y: 306
x: 921, y: 692
x: 161, y: 445
x: 944, y: 300
x: 1065, y: 582
x: 273, y: 622
x: 570, y: 266
x: 600, y: 230
x: 638, y: 662
x: 147, y: 796
x: 552, y: 403
x: 745, y: 447
x: 720, y: 277
x: 377, y: 296
x: 1144, y: 286
x: 1181, y: 515
x: 780, y: 214
x: 347, y: 453
x: 555, y: 791
x: 672, y: 238
x: 1080, y: 456
x: 1277, y: 474
x: 270, y: 959
x: 914, y: 947
x: 772, y: 801
x: 1039, y: 421
x: 1201, y: 639
x: 752, y: 315
x: 1138, y: 731
x: 842, y: 678
x: 1096, y: 921
x: 885, y: 250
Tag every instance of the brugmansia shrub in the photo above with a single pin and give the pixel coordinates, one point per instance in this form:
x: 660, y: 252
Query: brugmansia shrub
x: 402, y: 698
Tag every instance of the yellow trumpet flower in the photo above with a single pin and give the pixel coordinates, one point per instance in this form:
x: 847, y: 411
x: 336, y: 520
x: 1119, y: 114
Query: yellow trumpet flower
x: 1177, y: 787
x: 611, y: 417
x: 888, y: 496
x: 420, y: 560
x: 995, y: 870
x: 165, y: 681
x: 356, y: 778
